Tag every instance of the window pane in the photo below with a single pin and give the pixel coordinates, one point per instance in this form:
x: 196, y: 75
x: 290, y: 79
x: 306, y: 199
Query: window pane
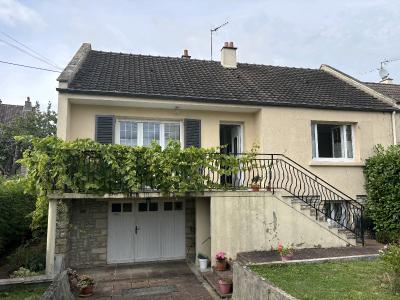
x: 151, y: 131
x: 142, y: 206
x: 337, y: 141
x: 153, y: 206
x: 116, y: 207
x: 325, y: 145
x: 128, y: 133
x: 127, y: 207
x: 171, y: 132
x: 167, y: 206
x: 349, y: 143
x: 178, y: 205
x: 314, y: 146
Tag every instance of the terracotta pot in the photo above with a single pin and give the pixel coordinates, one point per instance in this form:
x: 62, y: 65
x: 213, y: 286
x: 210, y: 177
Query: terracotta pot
x: 255, y: 187
x: 287, y: 257
x: 220, y: 265
x: 225, y: 287
x: 86, y: 291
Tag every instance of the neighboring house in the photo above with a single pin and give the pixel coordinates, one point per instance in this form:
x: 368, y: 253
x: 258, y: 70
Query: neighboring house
x: 9, y: 112
x: 324, y: 126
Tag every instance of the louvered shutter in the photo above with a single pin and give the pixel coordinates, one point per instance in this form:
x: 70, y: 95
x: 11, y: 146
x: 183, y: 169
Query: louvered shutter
x: 192, y: 133
x: 105, y: 129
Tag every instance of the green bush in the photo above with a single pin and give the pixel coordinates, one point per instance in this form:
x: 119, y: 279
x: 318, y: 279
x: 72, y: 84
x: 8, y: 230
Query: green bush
x: 31, y: 255
x: 391, y: 257
x: 23, y: 272
x: 16, y: 207
x: 382, y: 174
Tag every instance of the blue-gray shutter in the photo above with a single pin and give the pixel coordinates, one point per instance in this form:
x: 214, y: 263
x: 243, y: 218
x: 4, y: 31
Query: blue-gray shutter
x: 192, y: 133
x: 105, y: 129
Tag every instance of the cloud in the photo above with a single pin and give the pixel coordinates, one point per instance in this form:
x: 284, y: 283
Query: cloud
x: 12, y: 12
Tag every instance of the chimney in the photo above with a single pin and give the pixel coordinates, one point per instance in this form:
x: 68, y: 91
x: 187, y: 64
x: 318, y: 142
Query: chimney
x: 386, y: 80
x: 186, y: 54
x: 228, y: 56
x: 28, y: 105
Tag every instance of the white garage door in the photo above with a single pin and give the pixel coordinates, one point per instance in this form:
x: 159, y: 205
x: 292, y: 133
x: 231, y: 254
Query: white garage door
x: 146, y: 230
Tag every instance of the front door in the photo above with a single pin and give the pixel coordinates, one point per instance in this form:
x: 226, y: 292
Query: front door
x: 146, y: 230
x: 231, y: 140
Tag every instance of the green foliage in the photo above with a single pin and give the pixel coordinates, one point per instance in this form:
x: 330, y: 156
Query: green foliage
x: 382, y: 173
x: 23, y: 272
x: 31, y: 255
x: 16, y: 207
x: 33, y: 123
x: 89, y: 167
x: 391, y: 257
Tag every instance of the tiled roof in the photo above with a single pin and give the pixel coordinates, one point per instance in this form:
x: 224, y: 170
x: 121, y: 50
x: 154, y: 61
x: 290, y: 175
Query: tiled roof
x: 207, y: 81
x: 8, y: 112
x: 389, y: 90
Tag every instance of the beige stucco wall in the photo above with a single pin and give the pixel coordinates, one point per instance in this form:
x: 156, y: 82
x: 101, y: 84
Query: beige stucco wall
x: 276, y: 129
x: 248, y: 221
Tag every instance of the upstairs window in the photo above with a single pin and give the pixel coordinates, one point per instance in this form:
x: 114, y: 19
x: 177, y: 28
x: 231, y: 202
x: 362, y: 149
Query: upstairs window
x: 142, y: 133
x: 332, y: 141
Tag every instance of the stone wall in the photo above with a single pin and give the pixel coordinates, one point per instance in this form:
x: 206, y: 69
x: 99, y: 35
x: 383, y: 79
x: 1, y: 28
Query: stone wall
x: 88, y: 233
x: 59, y: 289
x: 62, y: 245
x: 248, y: 285
x: 190, y: 229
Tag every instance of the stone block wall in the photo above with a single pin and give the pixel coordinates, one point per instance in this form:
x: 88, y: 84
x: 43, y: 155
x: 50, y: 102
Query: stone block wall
x: 88, y: 233
x: 190, y: 229
x: 63, y: 244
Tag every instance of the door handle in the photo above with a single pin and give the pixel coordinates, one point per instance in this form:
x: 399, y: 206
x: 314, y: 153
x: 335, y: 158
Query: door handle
x: 136, y: 229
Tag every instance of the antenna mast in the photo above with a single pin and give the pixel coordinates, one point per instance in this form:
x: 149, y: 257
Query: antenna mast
x: 212, y: 30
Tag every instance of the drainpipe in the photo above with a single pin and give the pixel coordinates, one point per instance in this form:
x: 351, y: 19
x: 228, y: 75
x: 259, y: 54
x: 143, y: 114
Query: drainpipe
x: 394, y: 127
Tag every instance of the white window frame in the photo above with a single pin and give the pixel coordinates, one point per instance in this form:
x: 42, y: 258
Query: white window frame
x: 343, y: 135
x: 140, y: 130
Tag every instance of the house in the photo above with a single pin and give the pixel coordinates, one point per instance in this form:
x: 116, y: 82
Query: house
x: 9, y: 112
x: 314, y: 130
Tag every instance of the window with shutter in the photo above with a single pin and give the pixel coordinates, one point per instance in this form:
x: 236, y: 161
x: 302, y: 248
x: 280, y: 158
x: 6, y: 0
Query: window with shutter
x: 105, y: 129
x: 192, y: 133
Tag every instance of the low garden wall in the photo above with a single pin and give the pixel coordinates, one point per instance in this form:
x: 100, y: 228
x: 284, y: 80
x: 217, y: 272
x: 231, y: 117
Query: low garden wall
x: 59, y: 289
x: 248, y: 285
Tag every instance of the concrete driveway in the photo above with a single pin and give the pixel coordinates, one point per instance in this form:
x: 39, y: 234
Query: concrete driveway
x: 161, y: 280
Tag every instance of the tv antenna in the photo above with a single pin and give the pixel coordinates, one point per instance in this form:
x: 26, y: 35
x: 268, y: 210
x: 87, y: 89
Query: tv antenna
x: 212, y: 30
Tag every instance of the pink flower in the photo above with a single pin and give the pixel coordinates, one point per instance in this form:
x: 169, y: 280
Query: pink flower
x: 220, y: 255
x: 280, y: 247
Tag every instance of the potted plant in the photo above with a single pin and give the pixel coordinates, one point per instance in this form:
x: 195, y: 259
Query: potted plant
x: 255, y: 185
x: 225, y: 285
x: 220, y: 264
x: 86, y: 285
x: 203, y: 262
x: 285, y: 252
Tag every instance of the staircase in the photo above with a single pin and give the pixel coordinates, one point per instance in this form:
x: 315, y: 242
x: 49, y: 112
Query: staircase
x: 309, y: 193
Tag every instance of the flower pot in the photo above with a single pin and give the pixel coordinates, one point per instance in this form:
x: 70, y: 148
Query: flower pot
x: 255, y: 188
x: 220, y: 265
x: 225, y: 287
x: 286, y: 257
x: 86, y: 291
x: 203, y: 264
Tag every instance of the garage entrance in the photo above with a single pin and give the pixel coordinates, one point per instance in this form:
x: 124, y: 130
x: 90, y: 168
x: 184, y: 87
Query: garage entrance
x: 146, y: 230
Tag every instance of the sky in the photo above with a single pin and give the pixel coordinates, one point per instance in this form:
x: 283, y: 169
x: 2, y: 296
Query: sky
x: 353, y: 36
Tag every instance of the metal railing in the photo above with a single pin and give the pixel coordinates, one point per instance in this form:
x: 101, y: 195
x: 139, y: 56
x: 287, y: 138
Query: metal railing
x: 270, y: 171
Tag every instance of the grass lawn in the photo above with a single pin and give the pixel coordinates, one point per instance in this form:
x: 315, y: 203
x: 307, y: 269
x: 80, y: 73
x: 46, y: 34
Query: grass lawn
x: 336, y: 280
x: 24, y: 292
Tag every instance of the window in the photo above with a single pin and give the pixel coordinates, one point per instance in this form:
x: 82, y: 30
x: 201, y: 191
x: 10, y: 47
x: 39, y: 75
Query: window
x: 167, y: 206
x: 332, y: 141
x: 116, y: 207
x: 127, y: 207
x: 142, y: 133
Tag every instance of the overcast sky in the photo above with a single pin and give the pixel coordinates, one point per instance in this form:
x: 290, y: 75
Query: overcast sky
x: 351, y: 35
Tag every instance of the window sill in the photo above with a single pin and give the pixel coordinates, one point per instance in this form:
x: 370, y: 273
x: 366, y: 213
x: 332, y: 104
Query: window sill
x: 327, y: 163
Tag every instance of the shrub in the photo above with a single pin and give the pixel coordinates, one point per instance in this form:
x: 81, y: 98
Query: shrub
x: 382, y: 174
x: 16, y: 207
x: 31, y: 255
x: 391, y: 257
x: 23, y: 272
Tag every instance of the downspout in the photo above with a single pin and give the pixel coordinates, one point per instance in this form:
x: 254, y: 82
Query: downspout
x: 394, y: 128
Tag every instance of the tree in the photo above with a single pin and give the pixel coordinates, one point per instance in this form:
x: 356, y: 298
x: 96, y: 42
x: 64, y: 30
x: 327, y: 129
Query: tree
x: 35, y: 123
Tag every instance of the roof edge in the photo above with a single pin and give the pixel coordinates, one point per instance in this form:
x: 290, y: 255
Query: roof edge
x: 358, y: 84
x: 67, y: 75
x: 221, y: 101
